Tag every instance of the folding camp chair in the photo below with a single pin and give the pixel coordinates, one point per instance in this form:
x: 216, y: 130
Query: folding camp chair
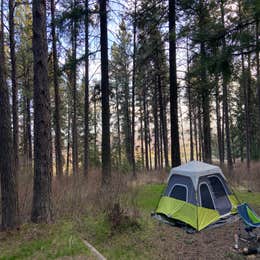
x: 252, y: 223
x: 248, y: 215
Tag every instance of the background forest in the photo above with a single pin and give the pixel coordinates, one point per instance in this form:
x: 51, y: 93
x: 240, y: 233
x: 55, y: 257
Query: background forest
x: 121, y: 90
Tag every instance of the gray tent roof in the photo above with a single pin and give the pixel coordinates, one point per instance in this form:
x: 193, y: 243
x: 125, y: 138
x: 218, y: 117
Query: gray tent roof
x: 195, y: 170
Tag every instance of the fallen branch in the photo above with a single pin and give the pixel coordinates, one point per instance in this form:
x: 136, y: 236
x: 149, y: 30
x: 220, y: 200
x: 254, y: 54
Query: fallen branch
x: 94, y: 250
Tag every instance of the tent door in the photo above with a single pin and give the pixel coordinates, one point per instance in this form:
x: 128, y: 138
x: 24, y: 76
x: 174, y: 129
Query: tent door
x: 221, y: 199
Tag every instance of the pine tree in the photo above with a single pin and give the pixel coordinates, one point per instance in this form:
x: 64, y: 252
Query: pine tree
x: 41, y: 207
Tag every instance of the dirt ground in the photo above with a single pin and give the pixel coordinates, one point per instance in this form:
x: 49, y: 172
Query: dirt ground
x: 215, y: 243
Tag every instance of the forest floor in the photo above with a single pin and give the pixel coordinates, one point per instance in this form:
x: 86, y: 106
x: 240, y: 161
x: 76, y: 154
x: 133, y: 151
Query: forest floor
x: 139, y: 236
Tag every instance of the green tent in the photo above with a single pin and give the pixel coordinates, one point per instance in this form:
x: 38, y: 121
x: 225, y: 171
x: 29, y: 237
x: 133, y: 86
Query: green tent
x: 197, y: 195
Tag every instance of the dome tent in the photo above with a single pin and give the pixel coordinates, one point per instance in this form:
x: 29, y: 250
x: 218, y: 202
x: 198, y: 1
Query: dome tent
x: 197, y: 194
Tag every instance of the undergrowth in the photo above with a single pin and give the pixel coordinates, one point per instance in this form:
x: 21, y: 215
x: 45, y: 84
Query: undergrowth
x: 115, y: 219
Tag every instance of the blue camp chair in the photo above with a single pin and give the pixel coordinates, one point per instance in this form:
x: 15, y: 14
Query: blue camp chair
x: 248, y: 215
x: 252, y: 222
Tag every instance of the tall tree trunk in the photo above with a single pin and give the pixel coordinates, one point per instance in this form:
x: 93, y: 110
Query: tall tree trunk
x: 182, y: 136
x: 9, y: 194
x: 25, y: 138
x: 190, y: 124
x: 118, y: 128
x: 41, y: 207
x: 14, y: 83
x: 58, y: 148
x: 106, y: 157
x: 142, y: 135
x: 74, y: 96
x: 189, y: 104
x: 95, y: 126
x: 163, y: 121
x: 196, y: 135
x: 205, y: 109
x: 68, y: 142
x: 245, y: 90
x: 175, y: 145
x: 219, y: 134
x: 149, y: 146
x: 133, y: 91
x: 223, y: 132
x: 225, y: 96
x: 86, y: 107
x: 160, y: 146
x: 257, y: 65
x: 205, y: 97
x: 28, y: 121
x: 201, y: 144
x: 127, y: 123
x: 249, y: 106
x: 156, y: 130
x: 146, y: 135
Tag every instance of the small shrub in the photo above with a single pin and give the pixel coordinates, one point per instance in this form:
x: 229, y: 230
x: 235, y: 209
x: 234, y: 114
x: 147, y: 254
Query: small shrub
x: 120, y: 221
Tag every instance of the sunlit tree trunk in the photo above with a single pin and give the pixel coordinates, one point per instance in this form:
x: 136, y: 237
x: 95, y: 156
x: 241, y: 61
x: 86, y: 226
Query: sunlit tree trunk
x: 41, y: 207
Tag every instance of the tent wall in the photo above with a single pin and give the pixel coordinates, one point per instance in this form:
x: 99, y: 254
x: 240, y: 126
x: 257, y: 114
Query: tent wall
x: 182, y: 180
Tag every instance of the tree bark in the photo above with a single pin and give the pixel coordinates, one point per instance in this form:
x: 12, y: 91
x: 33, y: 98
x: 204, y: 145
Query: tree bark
x: 9, y: 194
x: 28, y: 128
x: 68, y: 142
x: 196, y: 135
x: 118, y: 129
x: 225, y: 96
x: 41, y: 207
x: 58, y: 145
x: 86, y: 107
x: 219, y: 134
x: 245, y: 90
x: 257, y: 65
x: 106, y: 156
x: 142, y: 135
x: 201, y: 143
x: 146, y: 135
x: 156, y: 130
x: 14, y: 83
x: 133, y: 91
x: 95, y: 125
x: 74, y: 38
x: 163, y: 121
x: 127, y: 123
x: 205, y: 108
x: 149, y: 146
x: 175, y: 145
x: 182, y: 136
x: 189, y: 104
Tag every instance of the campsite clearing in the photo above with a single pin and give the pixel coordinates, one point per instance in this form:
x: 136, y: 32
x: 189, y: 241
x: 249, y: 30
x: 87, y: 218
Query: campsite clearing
x: 150, y: 240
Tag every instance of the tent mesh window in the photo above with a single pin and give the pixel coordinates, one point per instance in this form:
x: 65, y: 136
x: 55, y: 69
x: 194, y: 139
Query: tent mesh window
x: 217, y: 187
x: 179, y: 192
x: 206, y: 200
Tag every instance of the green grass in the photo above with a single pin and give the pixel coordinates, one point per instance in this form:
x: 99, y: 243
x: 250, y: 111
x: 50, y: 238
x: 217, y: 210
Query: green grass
x: 148, y: 196
x: 253, y: 198
x: 42, y: 242
x: 131, y: 243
